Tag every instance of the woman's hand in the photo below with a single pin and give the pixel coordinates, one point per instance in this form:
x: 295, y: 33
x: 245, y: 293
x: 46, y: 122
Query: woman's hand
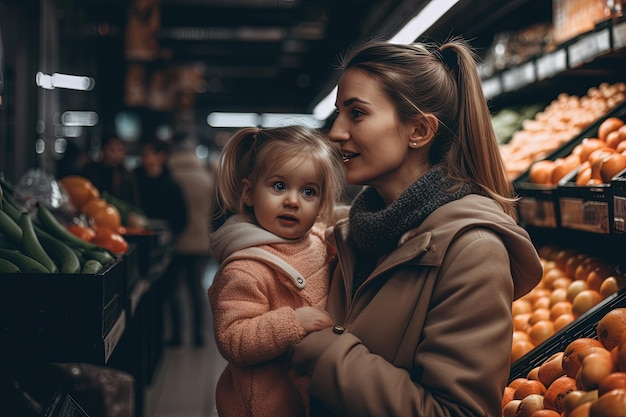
x: 312, y: 319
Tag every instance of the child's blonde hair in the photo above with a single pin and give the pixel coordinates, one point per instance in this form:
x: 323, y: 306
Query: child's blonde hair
x: 251, y: 152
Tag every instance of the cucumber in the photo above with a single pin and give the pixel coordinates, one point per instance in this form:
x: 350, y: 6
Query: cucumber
x: 91, y: 267
x: 8, y: 267
x: 25, y: 263
x: 63, y: 256
x: 31, y: 245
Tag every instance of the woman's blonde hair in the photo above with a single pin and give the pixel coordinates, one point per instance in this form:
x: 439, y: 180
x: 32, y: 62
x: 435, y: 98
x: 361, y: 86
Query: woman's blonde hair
x: 251, y: 152
x: 442, y: 80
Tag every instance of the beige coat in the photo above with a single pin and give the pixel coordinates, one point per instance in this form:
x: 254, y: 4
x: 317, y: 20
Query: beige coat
x: 197, y: 184
x: 429, y: 332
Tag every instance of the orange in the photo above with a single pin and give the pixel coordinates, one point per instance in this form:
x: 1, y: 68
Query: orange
x: 529, y: 405
x: 575, y: 287
x: 110, y: 239
x: 611, y: 326
x: 620, y: 356
x: 540, y: 172
x: 582, y: 410
x: 554, y: 398
x: 610, y: 124
x: 79, y: 189
x: 615, y: 380
x: 611, y: 285
x: 507, y: 395
x: 533, y: 374
x: 520, y: 321
x: 585, y: 301
x: 551, y: 369
x: 594, y: 367
x: 560, y: 308
x: 611, y: 404
x: 510, y: 410
x: 520, y: 348
x: 571, y: 362
x: 83, y: 232
x: 578, y: 397
x: 541, y: 331
x: 588, y: 146
x: 107, y: 217
x: 521, y: 306
x: 541, y: 313
x: 532, y: 386
x: 562, y: 321
x: 558, y: 295
x: 561, y: 282
x: 94, y: 205
x: 517, y: 382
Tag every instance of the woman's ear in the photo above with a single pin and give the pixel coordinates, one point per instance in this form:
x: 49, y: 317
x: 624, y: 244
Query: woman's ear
x: 247, y: 192
x: 424, y: 130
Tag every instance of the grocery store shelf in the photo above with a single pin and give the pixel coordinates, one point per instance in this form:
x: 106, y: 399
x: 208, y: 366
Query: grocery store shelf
x: 591, y: 55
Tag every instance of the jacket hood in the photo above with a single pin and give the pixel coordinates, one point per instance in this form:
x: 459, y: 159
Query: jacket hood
x: 432, y: 238
x: 238, y: 233
x: 479, y: 211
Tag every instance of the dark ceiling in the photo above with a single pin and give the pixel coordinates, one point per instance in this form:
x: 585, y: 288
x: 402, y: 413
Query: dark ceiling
x: 255, y: 55
x: 275, y: 56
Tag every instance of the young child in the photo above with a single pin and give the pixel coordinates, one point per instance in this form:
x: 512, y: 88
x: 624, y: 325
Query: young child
x: 279, y: 187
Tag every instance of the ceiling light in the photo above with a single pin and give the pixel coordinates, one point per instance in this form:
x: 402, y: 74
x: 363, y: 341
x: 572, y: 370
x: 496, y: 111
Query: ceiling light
x: 407, y: 34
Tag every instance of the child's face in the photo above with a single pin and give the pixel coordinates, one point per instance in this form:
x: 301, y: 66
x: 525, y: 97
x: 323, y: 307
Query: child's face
x: 286, y: 202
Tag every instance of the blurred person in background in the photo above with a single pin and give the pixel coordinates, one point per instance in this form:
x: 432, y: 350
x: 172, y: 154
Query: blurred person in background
x: 159, y: 195
x: 192, y: 252
x: 110, y: 173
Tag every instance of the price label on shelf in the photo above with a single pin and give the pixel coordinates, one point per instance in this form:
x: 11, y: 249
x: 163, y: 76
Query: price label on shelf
x: 537, y: 212
x: 619, y: 35
x: 619, y: 215
x: 519, y: 77
x: 590, y: 216
x: 551, y: 64
x: 589, y: 47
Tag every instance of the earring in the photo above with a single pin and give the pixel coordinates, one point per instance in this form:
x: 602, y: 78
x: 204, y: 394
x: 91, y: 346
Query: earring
x: 413, y: 144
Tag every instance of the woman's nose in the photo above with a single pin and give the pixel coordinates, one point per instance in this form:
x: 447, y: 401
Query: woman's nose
x: 337, y: 132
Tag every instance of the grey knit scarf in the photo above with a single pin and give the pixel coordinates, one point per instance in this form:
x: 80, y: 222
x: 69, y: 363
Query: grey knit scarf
x: 377, y: 228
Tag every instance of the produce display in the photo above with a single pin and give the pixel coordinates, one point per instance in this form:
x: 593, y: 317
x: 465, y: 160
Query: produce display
x: 586, y: 379
x: 561, y: 121
x: 37, y: 242
x: 572, y: 284
x: 597, y: 159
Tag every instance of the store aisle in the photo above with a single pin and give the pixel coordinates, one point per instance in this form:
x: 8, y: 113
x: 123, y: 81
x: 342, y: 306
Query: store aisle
x: 184, y: 383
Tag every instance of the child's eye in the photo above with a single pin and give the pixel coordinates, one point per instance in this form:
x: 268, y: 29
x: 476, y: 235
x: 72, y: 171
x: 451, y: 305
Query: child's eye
x: 309, y: 192
x: 279, y: 186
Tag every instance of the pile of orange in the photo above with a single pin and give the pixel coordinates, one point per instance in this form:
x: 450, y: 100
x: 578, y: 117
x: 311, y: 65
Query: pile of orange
x: 106, y: 220
x: 597, y: 160
x: 587, y: 379
x: 572, y: 284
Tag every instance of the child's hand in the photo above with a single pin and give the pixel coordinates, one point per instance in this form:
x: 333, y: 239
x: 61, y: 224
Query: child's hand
x: 312, y: 319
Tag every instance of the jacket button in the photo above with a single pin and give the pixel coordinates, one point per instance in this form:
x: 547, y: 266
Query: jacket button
x: 339, y: 329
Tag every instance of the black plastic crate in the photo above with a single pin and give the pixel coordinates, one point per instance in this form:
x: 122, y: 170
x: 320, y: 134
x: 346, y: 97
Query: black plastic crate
x: 583, y: 326
x: 62, y: 316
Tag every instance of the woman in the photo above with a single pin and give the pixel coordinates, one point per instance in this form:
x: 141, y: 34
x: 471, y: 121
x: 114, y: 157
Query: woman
x: 430, y: 257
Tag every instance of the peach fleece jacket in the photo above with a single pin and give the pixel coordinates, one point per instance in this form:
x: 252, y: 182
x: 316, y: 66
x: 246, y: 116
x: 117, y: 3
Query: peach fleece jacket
x: 254, y: 320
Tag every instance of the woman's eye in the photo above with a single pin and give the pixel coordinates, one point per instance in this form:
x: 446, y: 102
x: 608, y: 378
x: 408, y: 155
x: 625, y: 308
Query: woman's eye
x: 309, y: 192
x: 356, y: 113
x: 280, y: 186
